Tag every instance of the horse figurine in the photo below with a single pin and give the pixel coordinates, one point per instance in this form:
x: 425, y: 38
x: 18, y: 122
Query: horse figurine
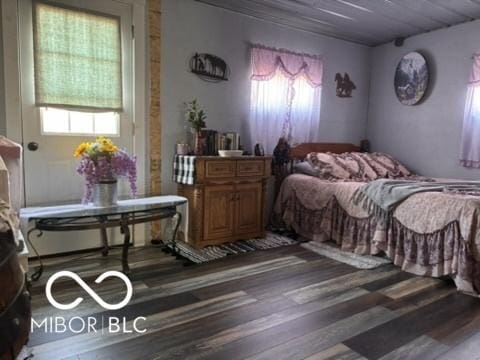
x: 199, y: 64
x: 345, y: 86
x: 218, y: 67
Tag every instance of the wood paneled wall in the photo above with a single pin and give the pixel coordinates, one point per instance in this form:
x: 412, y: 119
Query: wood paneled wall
x: 155, y: 124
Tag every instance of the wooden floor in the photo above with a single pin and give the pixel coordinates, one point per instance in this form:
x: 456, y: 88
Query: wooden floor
x: 285, y: 303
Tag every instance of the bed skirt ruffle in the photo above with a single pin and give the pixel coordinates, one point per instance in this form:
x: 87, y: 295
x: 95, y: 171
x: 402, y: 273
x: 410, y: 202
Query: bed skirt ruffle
x: 440, y: 253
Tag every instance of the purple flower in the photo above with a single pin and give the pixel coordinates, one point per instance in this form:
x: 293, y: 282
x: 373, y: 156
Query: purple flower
x: 107, y: 167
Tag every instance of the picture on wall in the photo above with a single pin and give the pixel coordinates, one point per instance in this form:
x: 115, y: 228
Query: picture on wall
x: 411, y: 78
x: 209, y: 67
x: 345, y: 86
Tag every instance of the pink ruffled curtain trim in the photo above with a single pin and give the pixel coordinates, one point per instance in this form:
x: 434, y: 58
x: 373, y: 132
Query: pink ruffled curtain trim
x: 475, y: 74
x: 470, y: 145
x: 266, y: 61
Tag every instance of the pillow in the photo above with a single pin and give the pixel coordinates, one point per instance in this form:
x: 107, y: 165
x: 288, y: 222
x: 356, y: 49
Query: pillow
x: 355, y: 166
x: 358, y: 167
x: 327, y: 167
x: 386, y: 166
x: 305, y: 168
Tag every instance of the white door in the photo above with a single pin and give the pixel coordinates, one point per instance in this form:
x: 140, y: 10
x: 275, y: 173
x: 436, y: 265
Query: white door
x: 50, y: 168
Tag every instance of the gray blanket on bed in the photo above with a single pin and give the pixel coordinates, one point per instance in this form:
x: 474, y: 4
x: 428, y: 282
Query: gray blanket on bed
x: 381, y: 197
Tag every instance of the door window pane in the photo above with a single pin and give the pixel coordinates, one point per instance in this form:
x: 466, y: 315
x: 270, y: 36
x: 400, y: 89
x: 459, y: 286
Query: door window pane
x: 54, y: 121
x: 106, y: 123
x: 81, y: 123
x: 67, y: 122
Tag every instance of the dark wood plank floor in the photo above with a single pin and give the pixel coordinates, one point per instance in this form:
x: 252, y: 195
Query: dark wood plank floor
x: 285, y: 303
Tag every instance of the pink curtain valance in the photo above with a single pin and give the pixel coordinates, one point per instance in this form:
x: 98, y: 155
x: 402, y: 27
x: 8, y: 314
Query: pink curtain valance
x: 475, y: 74
x: 266, y: 61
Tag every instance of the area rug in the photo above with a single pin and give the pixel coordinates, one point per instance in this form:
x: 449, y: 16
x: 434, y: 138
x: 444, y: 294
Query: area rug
x: 331, y: 251
x: 213, y: 252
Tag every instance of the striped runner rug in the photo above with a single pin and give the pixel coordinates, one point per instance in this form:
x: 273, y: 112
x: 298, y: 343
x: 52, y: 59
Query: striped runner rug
x: 332, y: 251
x: 214, y: 252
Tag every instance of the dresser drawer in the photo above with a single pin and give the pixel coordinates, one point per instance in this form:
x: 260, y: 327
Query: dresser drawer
x: 219, y: 169
x: 250, y: 168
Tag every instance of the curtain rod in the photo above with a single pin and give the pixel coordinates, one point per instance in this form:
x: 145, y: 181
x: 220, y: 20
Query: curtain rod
x: 287, y: 51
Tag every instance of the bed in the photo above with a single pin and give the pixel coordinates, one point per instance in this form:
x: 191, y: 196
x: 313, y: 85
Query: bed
x: 429, y: 234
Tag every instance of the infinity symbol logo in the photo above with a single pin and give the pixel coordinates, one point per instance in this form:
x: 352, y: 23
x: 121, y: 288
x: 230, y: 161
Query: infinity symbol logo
x: 88, y: 289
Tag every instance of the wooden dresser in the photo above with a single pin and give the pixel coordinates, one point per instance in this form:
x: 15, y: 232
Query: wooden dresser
x: 227, y: 200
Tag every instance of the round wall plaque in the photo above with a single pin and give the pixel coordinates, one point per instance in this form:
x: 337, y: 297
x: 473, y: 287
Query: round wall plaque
x: 411, y: 78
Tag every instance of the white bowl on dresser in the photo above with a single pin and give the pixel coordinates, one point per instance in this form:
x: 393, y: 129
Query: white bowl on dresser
x: 230, y: 153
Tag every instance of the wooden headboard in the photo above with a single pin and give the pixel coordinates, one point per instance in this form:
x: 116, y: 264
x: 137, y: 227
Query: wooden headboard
x: 299, y: 152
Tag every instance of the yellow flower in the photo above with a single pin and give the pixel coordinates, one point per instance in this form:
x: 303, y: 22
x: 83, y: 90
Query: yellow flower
x: 107, y: 145
x: 109, y: 148
x: 102, y: 145
x: 81, y: 149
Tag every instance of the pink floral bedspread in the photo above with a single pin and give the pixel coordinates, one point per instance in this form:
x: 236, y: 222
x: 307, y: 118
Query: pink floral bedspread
x: 431, y: 233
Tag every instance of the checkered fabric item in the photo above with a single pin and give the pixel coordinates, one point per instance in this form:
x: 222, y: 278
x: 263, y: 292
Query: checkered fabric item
x: 184, y: 169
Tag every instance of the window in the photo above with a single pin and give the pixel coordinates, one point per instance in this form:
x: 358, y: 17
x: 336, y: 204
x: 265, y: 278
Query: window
x: 78, y: 71
x: 285, y: 97
x: 470, y: 147
x: 64, y: 122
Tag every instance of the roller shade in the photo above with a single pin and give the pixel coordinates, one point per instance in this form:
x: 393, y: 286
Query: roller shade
x: 77, y: 57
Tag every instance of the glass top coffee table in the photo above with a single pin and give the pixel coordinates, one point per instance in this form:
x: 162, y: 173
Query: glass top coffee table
x: 79, y: 217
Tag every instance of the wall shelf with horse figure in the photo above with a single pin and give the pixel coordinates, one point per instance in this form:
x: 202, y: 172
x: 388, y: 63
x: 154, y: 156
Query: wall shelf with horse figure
x: 209, y: 67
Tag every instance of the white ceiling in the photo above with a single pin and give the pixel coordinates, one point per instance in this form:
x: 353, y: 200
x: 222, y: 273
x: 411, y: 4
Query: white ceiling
x: 369, y: 22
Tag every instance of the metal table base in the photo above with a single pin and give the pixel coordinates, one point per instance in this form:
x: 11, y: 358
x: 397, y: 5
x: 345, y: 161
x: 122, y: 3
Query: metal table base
x: 103, y: 222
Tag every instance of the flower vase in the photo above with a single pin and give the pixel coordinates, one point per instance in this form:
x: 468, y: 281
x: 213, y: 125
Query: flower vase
x: 200, y: 142
x: 105, y: 193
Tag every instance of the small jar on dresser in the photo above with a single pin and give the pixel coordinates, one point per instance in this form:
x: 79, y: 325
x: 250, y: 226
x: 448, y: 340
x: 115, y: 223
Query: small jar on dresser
x: 226, y: 197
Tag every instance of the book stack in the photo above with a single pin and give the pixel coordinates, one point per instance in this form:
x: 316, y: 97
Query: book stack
x: 232, y: 141
x: 210, y: 142
x: 215, y: 141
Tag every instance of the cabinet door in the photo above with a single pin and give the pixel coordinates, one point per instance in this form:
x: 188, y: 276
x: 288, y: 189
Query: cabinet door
x: 219, y: 211
x: 249, y: 210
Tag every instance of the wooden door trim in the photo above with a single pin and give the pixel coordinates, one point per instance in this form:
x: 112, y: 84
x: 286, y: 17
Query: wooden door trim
x: 154, y: 116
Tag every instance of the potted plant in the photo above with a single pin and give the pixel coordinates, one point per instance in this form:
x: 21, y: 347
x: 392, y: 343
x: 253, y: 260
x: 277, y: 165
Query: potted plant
x: 196, y: 118
x: 102, y: 163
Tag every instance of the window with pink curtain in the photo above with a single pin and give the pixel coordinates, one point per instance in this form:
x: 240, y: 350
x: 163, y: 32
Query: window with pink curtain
x: 470, y: 148
x: 285, y: 96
